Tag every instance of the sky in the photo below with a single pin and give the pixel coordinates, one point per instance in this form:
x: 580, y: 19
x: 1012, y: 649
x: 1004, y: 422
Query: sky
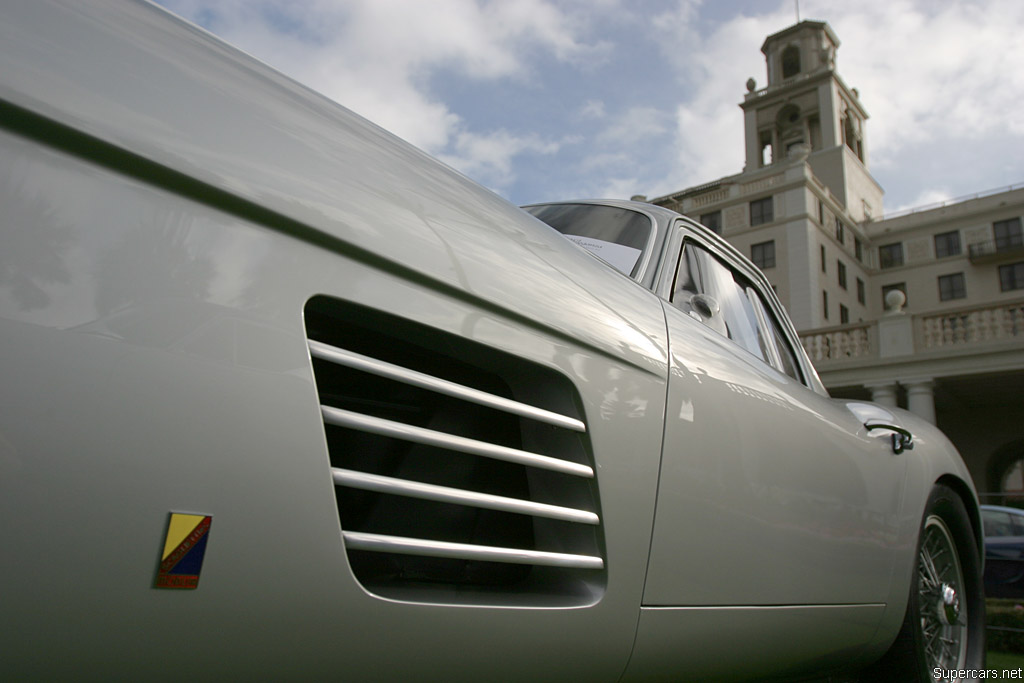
x: 560, y: 99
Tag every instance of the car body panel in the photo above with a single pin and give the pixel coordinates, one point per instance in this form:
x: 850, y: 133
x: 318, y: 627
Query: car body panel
x: 772, y: 495
x: 170, y: 208
x: 706, y: 639
x: 117, y: 421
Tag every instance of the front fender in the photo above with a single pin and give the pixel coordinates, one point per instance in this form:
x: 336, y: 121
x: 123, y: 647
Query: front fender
x: 933, y: 460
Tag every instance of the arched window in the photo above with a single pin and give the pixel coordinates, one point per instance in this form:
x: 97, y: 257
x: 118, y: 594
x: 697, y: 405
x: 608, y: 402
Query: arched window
x: 1013, y: 479
x: 790, y: 61
x: 1005, y: 474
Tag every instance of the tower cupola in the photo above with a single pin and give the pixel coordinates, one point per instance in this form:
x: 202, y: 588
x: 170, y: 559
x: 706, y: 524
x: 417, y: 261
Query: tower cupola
x: 806, y: 112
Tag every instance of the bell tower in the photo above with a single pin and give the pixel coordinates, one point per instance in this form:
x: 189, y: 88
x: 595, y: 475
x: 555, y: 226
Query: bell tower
x: 807, y: 112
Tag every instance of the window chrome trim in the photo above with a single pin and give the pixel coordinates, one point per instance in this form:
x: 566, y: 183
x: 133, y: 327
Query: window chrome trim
x: 642, y: 272
x: 716, y: 245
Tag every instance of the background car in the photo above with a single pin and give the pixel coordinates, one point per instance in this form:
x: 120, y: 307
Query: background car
x: 1004, y: 551
x: 283, y: 397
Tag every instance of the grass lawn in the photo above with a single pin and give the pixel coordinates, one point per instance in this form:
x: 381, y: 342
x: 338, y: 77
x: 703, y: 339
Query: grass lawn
x: 1004, y: 660
x: 1007, y: 648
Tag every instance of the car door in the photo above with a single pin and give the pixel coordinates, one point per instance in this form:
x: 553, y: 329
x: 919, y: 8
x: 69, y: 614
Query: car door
x: 770, y: 493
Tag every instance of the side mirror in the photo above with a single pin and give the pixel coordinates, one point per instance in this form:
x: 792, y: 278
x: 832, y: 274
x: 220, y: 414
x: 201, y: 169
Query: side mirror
x: 706, y: 305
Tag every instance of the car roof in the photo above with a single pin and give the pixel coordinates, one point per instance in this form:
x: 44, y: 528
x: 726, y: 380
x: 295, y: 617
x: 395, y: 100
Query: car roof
x: 1003, y: 508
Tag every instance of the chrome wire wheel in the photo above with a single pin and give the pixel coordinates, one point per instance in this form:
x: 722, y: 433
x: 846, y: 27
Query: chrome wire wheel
x: 944, y: 623
x: 943, y: 609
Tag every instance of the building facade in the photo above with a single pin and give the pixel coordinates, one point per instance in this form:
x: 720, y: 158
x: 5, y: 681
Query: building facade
x: 922, y: 310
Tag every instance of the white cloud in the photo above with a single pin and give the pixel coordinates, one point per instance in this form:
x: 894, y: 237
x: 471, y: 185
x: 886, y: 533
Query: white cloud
x: 616, y: 92
x: 592, y: 109
x: 929, y: 197
x: 376, y: 56
x: 714, y: 68
x: 937, y: 71
x: 634, y: 125
x: 488, y: 157
x: 928, y: 73
x: 604, y: 162
x: 622, y: 188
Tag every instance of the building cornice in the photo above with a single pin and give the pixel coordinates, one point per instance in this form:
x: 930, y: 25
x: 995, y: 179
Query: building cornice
x: 797, y: 28
x: 798, y: 84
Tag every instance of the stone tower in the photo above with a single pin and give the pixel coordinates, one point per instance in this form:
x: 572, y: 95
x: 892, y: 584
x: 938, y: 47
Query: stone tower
x: 808, y: 112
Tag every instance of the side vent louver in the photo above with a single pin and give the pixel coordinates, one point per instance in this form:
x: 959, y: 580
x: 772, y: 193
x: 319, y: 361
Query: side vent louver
x: 462, y: 474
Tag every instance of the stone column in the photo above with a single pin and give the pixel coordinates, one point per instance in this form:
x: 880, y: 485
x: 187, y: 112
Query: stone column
x: 921, y: 398
x: 885, y: 394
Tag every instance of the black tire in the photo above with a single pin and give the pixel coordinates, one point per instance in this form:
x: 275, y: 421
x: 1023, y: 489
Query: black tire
x: 947, y: 557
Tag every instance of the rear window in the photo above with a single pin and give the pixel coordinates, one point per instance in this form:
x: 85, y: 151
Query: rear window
x: 617, y: 236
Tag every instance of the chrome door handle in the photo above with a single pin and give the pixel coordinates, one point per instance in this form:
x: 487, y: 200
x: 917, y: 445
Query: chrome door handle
x: 902, y: 439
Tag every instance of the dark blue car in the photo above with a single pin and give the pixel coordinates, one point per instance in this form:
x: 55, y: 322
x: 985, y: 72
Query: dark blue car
x: 1004, y: 551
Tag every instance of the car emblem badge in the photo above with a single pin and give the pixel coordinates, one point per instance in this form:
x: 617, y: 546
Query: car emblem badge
x: 184, y: 548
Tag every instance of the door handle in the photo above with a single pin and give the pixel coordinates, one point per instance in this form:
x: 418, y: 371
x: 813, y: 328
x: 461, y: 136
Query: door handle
x: 902, y: 439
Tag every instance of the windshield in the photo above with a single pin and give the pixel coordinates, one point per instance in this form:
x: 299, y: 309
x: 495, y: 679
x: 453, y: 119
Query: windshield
x: 617, y: 236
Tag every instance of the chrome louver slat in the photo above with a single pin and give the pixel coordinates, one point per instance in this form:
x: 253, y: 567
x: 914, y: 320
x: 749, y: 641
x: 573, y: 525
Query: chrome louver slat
x: 465, y: 551
x: 403, y: 487
x: 360, y: 362
x: 455, y: 465
x: 429, y: 437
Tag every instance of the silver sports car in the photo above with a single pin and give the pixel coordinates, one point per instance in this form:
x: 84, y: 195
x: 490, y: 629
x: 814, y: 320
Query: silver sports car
x: 284, y: 398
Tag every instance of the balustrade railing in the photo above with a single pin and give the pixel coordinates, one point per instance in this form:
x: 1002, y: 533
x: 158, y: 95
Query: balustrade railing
x: 761, y: 184
x: 952, y: 331
x: 838, y: 343
x: 989, y: 324
x: 980, y: 251
x: 710, y: 198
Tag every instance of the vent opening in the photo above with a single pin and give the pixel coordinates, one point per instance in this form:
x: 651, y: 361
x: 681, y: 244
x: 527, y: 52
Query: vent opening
x: 462, y: 473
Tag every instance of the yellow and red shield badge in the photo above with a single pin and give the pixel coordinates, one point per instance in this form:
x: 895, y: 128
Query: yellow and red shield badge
x: 184, y: 548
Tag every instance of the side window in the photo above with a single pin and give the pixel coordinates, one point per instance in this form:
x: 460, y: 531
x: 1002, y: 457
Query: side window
x: 712, y: 292
x: 709, y: 291
x: 997, y: 523
x: 685, y: 286
x: 787, y: 361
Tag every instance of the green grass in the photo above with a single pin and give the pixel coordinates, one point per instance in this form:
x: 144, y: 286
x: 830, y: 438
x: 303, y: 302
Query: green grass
x: 1004, y: 660
x: 1007, y: 651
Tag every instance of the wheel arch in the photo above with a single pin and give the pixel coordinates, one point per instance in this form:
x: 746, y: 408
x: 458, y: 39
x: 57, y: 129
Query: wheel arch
x: 970, y: 501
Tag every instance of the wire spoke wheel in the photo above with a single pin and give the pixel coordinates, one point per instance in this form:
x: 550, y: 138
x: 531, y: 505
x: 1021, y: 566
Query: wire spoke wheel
x: 943, y: 612
x: 944, y: 623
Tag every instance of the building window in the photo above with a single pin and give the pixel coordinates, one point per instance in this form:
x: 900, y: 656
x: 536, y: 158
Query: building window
x: 844, y: 314
x: 712, y: 221
x: 790, y: 61
x: 890, y: 255
x: 824, y: 260
x: 821, y: 213
x: 861, y: 295
x: 767, y: 151
x: 1008, y: 234
x: 858, y: 249
x: 1011, y: 276
x: 763, y: 254
x: 840, y: 231
x: 952, y: 287
x: 947, y: 244
x: 762, y: 211
x: 824, y: 304
x: 901, y: 286
x: 842, y: 273
x: 814, y: 127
